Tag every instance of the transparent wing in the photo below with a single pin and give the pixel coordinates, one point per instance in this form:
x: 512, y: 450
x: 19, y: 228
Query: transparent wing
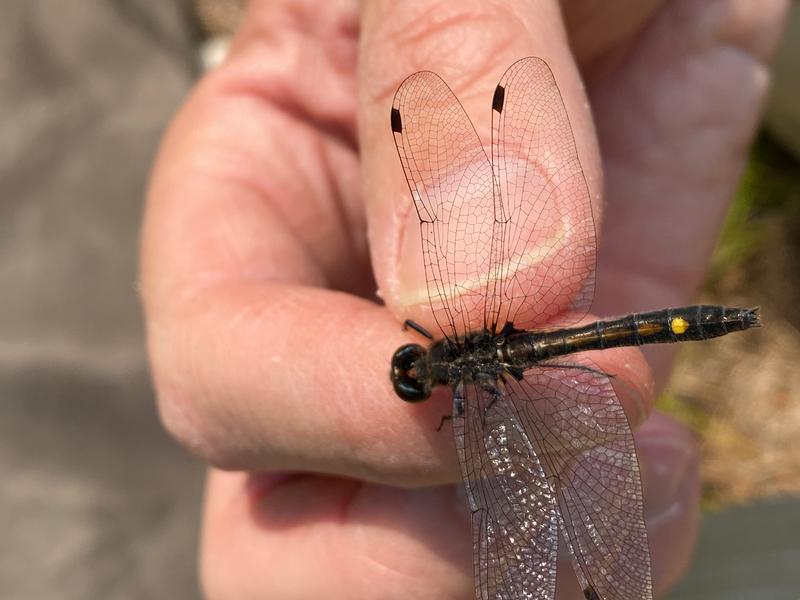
x: 514, y: 518
x: 585, y: 444
x: 451, y: 184
x: 548, y: 238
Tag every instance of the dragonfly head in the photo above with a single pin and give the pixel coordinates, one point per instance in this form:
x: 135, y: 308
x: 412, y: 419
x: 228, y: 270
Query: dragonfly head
x: 410, y: 373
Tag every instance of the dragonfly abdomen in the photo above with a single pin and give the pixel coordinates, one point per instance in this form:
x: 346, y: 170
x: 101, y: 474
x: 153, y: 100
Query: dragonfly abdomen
x: 689, y: 323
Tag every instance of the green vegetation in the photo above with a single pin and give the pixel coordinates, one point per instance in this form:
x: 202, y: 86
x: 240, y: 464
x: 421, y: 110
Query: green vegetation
x: 770, y: 185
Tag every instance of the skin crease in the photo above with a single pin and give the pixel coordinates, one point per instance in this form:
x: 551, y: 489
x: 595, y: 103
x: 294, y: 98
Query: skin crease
x: 268, y: 213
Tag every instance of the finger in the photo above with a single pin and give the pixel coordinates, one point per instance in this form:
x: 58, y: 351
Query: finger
x: 675, y: 119
x: 314, y: 537
x: 252, y: 214
x: 668, y: 455
x: 263, y: 540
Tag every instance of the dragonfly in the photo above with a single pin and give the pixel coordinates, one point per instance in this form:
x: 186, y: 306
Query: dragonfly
x: 509, y: 247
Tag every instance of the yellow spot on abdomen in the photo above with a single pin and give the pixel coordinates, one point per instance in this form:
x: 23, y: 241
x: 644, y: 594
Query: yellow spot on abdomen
x: 679, y: 325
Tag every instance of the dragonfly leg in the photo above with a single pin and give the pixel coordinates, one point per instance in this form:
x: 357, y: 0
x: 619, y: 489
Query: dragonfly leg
x: 458, y: 410
x: 408, y: 323
x: 444, y: 420
x: 508, y: 329
x: 489, y: 384
x: 458, y: 405
x: 515, y: 372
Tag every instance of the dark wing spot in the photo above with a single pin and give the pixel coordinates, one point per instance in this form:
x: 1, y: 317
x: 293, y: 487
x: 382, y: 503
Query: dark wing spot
x: 591, y: 594
x: 397, y: 122
x: 499, y: 98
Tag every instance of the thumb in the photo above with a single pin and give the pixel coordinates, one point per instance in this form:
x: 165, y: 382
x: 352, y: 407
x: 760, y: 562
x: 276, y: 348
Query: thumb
x: 450, y: 156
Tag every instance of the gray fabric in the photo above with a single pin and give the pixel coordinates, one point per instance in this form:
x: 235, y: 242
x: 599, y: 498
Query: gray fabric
x: 95, y: 501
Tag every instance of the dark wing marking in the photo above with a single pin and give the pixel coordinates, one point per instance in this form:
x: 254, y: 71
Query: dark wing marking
x: 514, y: 518
x: 586, y: 448
x: 549, y: 243
x: 452, y: 187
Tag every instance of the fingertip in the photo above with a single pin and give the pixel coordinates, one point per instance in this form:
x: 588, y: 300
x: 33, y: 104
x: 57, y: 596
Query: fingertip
x: 668, y: 455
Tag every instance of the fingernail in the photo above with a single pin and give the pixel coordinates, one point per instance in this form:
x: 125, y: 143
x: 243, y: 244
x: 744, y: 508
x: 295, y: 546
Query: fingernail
x: 667, y: 453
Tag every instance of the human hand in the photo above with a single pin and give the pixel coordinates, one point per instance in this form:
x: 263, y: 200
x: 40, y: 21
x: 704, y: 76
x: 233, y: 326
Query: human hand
x: 268, y: 353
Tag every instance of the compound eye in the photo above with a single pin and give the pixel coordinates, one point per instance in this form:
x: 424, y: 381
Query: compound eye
x: 409, y: 383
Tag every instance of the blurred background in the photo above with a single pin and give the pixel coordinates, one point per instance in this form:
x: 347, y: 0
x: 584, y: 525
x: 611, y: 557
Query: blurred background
x: 96, y: 501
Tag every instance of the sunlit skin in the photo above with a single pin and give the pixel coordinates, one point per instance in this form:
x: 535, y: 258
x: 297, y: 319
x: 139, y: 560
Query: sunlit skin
x: 270, y: 221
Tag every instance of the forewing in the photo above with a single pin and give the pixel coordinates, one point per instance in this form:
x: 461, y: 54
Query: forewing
x: 586, y: 447
x: 514, y: 518
x: 548, y: 238
x: 451, y: 184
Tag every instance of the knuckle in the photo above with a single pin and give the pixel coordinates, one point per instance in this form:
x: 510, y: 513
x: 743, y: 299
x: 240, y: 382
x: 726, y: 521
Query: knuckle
x: 196, y: 429
x: 185, y: 409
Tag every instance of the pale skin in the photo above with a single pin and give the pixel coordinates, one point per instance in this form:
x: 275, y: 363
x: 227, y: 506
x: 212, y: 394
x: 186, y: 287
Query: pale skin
x: 269, y: 352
